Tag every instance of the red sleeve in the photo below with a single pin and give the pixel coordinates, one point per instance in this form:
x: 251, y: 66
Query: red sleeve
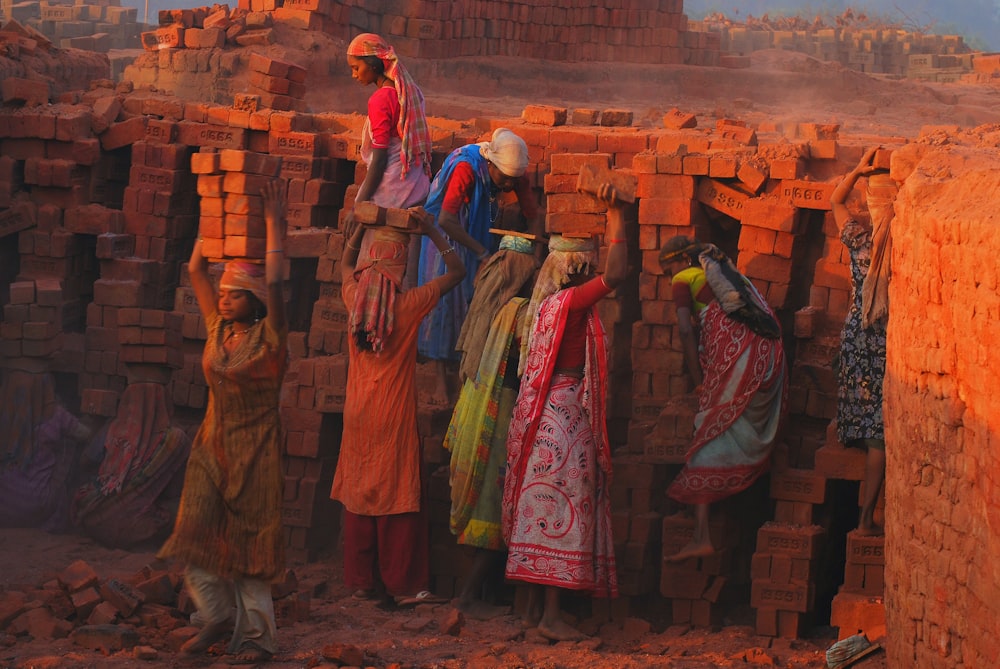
x: 526, y: 198
x: 459, y: 189
x: 588, y: 294
x: 383, y: 116
x: 681, y: 292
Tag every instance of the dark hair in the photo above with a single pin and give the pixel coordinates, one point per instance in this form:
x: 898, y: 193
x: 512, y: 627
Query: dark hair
x: 257, y: 308
x: 374, y: 63
x: 681, y: 245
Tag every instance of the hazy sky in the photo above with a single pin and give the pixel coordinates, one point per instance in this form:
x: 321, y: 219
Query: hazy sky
x: 977, y: 20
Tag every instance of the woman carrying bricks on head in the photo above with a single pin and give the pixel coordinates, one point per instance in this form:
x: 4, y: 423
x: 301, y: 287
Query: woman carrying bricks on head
x: 464, y: 198
x: 395, y: 141
x: 377, y: 477
x: 737, y: 364
x: 556, y: 503
x: 862, y: 344
x: 490, y: 342
x: 228, y: 529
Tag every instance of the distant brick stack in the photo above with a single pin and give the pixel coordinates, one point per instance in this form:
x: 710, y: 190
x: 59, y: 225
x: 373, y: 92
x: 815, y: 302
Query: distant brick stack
x: 561, y: 31
x: 91, y: 26
x: 879, y: 51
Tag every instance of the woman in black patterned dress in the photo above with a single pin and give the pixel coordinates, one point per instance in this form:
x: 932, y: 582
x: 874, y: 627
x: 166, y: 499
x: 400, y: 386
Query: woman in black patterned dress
x: 862, y: 350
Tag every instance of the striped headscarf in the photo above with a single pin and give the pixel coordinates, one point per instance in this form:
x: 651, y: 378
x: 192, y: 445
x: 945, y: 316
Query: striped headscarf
x: 247, y: 276
x: 412, y: 128
x: 379, y: 278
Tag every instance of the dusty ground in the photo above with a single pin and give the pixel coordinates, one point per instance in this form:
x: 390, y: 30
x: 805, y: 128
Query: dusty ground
x: 397, y: 637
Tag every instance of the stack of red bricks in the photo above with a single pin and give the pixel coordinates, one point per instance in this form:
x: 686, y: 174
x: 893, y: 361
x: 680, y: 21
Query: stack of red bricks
x: 230, y: 183
x: 635, y: 32
x: 93, y: 26
x: 859, y: 604
x: 47, y: 166
x: 784, y: 573
x: 695, y: 586
x: 637, y: 504
x: 275, y: 84
x: 210, y: 28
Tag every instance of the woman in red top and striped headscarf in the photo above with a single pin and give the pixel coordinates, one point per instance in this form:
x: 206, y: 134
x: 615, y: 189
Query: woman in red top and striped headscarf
x: 395, y: 142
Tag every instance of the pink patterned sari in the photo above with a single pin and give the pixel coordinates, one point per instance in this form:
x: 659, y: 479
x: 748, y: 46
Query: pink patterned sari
x: 556, y: 506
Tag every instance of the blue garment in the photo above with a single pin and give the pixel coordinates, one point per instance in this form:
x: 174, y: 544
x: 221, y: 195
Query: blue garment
x: 440, y: 329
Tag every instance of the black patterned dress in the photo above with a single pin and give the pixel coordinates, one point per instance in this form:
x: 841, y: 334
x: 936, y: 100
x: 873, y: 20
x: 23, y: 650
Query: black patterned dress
x: 862, y: 352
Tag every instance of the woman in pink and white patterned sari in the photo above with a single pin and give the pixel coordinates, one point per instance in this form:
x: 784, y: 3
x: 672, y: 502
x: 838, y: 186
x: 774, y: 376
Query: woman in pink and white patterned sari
x: 738, y: 368
x: 556, y: 503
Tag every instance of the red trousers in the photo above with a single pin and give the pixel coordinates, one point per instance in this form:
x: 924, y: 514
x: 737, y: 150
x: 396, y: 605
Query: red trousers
x: 397, y: 544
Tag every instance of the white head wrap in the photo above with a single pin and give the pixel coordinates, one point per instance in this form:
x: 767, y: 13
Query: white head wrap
x: 507, y: 151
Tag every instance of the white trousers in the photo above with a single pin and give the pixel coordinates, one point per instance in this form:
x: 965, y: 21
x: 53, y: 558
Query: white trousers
x: 215, y: 596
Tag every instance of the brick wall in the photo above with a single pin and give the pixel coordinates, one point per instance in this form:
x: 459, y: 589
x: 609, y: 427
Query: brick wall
x: 942, y: 418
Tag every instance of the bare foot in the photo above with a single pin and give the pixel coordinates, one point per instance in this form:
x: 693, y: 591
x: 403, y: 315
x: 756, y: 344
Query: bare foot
x: 872, y: 530
x: 205, y: 638
x: 559, y: 631
x: 692, y: 550
x: 250, y: 653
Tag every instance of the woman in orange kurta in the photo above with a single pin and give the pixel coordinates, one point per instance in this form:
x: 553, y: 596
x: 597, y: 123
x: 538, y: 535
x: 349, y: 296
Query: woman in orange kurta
x: 378, y: 473
x: 228, y: 527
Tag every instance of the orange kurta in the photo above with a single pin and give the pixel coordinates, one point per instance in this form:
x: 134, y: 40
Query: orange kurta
x: 229, y: 520
x: 378, y: 473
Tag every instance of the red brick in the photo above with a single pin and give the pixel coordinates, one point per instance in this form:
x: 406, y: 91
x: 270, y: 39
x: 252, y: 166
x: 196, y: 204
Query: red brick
x: 293, y: 143
x: 784, y: 597
x: 124, y: 133
x: 807, y: 194
x: 203, y: 134
x: 804, y: 542
x: 170, y: 37
x: 565, y: 139
x: 720, y: 196
x: 852, y: 612
x: 544, y: 115
x: 677, y: 120
x: 77, y: 576
x: 30, y: 92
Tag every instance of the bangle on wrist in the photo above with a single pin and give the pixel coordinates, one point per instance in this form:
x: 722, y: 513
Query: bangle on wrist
x: 352, y: 246
x: 450, y: 249
x: 617, y: 241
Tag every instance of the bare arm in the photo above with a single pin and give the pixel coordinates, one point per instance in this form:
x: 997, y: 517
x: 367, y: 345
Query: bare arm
x: 689, y: 344
x: 376, y: 170
x: 354, y: 233
x: 453, y: 228
x: 843, y: 190
x: 202, y: 285
x: 274, y: 258
x: 454, y: 265
x: 616, y: 268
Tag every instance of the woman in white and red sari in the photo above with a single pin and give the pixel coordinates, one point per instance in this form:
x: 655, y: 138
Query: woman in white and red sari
x: 556, y: 503
x: 739, y: 375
